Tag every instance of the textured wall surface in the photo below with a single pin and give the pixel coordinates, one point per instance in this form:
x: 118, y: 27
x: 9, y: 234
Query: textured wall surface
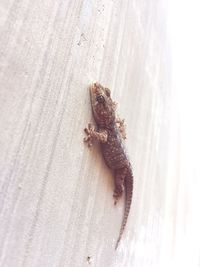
x: 56, y: 205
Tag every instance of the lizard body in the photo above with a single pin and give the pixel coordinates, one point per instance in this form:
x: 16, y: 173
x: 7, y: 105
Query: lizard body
x: 111, y: 132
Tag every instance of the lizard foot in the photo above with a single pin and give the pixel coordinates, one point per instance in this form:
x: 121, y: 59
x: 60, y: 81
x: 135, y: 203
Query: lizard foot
x: 117, y: 196
x: 90, y: 134
x: 122, y: 127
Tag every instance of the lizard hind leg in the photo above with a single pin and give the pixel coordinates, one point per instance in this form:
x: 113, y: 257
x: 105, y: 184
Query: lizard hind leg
x: 120, y: 175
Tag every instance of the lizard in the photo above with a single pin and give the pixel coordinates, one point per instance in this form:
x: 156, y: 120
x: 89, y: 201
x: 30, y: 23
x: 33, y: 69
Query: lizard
x: 110, y: 132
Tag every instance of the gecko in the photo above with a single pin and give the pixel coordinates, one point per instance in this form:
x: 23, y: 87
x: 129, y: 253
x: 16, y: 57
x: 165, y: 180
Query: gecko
x: 110, y: 132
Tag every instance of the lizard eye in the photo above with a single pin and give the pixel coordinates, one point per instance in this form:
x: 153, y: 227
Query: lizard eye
x: 100, y: 99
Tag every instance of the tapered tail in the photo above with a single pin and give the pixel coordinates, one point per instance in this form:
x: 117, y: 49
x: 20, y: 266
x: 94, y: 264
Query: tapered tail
x: 129, y: 192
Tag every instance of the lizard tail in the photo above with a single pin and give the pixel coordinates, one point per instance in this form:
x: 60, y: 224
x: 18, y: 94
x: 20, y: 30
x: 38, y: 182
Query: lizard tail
x: 129, y: 192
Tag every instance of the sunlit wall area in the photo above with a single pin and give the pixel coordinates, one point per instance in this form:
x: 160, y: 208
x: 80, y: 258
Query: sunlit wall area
x: 182, y: 236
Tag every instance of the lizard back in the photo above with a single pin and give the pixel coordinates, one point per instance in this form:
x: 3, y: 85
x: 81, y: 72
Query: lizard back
x: 113, y: 150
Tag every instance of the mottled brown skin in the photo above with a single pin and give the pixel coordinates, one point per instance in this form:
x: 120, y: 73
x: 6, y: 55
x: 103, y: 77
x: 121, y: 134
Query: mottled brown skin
x: 110, y: 132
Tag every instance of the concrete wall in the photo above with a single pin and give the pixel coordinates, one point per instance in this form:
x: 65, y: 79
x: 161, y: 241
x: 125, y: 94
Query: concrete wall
x: 56, y: 201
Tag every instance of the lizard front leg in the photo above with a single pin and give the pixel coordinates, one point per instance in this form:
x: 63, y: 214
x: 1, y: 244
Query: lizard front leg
x: 120, y: 175
x: 122, y: 127
x: 93, y: 134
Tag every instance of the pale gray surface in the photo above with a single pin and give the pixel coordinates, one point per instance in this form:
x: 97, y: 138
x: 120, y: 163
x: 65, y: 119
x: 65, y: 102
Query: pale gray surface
x: 56, y: 196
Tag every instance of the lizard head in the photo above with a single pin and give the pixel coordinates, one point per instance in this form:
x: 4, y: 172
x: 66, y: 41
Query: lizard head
x: 102, y: 105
